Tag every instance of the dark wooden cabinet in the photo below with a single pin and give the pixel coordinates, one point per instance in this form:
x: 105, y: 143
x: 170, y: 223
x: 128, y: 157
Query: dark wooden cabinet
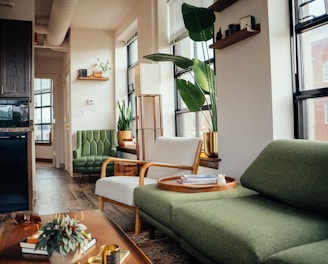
x: 15, y: 58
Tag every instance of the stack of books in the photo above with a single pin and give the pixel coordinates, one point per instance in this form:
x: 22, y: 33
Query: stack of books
x: 28, y: 244
x: 198, y: 179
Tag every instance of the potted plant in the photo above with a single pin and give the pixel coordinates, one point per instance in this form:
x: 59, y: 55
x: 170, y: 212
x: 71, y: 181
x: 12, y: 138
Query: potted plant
x: 64, y: 239
x: 199, y: 22
x: 101, y: 68
x: 124, y: 122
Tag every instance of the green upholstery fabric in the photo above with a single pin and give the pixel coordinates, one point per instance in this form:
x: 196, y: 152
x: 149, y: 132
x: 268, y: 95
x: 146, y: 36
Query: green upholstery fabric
x: 313, y: 253
x: 159, y: 203
x: 294, y: 172
x: 92, y: 148
x: 246, y: 229
x: 279, y: 213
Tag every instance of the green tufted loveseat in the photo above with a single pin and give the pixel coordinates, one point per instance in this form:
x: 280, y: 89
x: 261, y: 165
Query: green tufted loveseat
x: 92, y: 148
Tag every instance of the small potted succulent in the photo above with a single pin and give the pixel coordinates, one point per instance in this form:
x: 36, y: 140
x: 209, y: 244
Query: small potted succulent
x: 64, y: 239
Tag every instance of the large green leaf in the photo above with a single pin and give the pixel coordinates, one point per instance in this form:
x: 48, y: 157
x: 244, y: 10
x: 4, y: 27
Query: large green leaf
x: 205, y: 35
x: 180, y: 61
x: 199, y: 21
x: 191, y: 95
x: 204, y: 75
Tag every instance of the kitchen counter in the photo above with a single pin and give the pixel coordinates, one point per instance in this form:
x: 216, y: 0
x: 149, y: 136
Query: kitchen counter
x: 16, y: 129
x: 30, y: 128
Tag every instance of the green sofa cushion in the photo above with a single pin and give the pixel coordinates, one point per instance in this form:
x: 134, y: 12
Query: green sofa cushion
x: 294, y: 172
x: 245, y: 229
x: 314, y: 253
x: 159, y: 203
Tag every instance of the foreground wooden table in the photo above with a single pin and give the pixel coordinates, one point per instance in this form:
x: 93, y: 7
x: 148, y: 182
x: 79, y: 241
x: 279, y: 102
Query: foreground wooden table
x: 103, y: 229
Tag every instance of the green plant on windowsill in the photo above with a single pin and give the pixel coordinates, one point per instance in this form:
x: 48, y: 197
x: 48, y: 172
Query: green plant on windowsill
x: 62, y: 235
x: 125, y: 116
x: 124, y: 122
x: 199, y: 22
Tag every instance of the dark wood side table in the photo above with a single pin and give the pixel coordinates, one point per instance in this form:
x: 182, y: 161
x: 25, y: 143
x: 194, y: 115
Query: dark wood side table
x: 127, y: 169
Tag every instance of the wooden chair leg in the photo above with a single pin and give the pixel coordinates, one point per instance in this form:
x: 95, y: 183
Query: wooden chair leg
x: 100, y: 204
x: 137, y: 227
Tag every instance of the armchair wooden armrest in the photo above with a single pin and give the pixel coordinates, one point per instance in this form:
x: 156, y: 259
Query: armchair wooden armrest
x: 113, y: 159
x: 146, y: 166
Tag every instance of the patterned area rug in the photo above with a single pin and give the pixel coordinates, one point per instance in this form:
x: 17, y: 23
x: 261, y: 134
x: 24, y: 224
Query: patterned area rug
x: 161, y: 249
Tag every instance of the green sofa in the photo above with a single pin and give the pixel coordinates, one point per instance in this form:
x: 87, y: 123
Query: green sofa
x: 278, y: 214
x: 92, y: 148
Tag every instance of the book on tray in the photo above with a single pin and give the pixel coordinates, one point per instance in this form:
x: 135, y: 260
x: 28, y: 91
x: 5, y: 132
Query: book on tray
x: 28, y: 244
x: 198, y: 179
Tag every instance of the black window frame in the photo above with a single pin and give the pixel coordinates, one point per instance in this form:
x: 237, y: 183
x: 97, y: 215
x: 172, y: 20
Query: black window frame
x: 299, y: 95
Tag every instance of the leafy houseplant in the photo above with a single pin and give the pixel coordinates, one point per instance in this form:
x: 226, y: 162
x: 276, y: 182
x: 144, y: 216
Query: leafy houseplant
x: 199, y: 22
x: 63, y: 235
x: 101, y: 67
x: 125, y: 116
x: 124, y: 122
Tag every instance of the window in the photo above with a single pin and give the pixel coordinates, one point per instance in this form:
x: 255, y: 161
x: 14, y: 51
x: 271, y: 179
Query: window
x: 310, y: 37
x: 189, y: 124
x: 326, y: 112
x: 43, y: 112
x: 325, y: 71
x: 132, y: 50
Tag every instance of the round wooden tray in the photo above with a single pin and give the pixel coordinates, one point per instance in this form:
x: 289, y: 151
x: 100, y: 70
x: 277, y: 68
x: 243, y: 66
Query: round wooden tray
x: 171, y: 184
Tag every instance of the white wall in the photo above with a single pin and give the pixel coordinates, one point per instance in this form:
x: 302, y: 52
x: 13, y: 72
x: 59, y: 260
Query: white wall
x: 153, y: 38
x: 254, y: 85
x: 86, y: 47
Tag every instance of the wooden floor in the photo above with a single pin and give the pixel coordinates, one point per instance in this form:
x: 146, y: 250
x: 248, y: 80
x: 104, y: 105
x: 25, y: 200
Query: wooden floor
x: 57, y: 192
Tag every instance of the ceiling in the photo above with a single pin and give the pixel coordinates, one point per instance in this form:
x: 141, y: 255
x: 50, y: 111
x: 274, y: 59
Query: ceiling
x: 90, y: 14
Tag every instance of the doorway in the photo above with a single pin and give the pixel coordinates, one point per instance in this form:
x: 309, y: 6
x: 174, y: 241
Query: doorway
x: 44, y: 129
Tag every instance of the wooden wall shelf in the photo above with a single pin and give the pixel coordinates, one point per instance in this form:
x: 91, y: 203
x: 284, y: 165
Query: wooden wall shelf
x: 93, y: 78
x: 236, y: 37
x: 220, y: 5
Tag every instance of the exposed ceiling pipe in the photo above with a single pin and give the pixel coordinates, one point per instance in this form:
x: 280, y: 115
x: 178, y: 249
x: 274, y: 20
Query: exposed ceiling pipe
x: 60, y: 19
x: 41, y: 29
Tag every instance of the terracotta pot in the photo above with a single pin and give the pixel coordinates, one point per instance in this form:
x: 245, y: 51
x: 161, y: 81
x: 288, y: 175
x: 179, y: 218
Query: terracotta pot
x: 97, y: 74
x: 122, y: 135
x: 211, y: 144
x: 72, y: 258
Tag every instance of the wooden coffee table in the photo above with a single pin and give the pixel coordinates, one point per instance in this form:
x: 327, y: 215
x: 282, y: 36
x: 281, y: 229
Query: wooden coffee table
x: 100, y: 226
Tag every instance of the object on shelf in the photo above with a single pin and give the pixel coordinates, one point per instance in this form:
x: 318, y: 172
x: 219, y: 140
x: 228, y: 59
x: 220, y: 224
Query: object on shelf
x: 233, y: 28
x: 97, y: 74
x: 247, y: 22
x: 236, y: 37
x: 91, y: 78
x: 218, y: 35
x: 83, y: 73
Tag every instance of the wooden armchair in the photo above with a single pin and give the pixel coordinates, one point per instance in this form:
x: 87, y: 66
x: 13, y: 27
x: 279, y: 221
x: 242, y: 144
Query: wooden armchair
x: 170, y: 156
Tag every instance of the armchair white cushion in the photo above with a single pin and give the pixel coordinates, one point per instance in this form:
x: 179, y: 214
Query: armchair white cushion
x: 170, y: 156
